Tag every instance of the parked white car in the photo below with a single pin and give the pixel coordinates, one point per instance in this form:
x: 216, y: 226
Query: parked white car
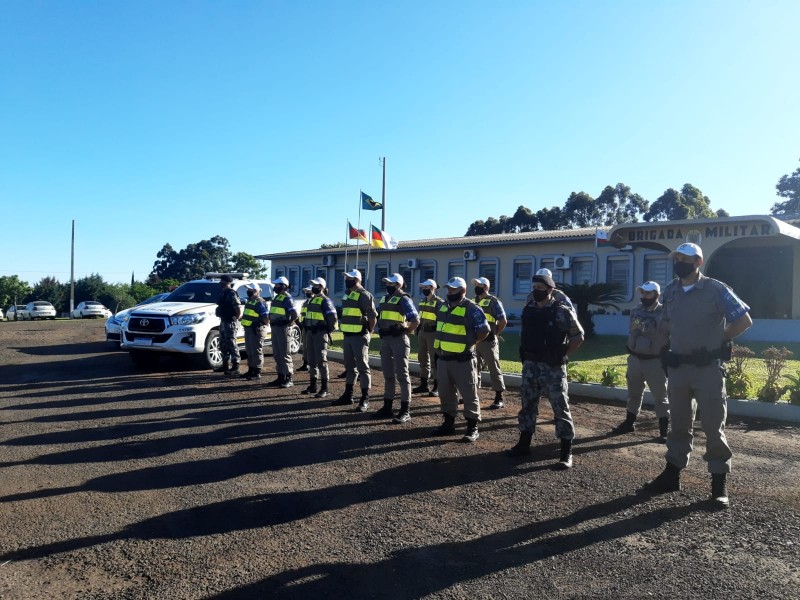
x: 16, y: 312
x: 115, y: 322
x: 90, y: 310
x: 40, y: 310
x: 2, y: 316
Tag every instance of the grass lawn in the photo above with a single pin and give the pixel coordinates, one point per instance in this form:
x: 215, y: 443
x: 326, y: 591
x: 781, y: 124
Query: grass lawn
x: 602, y: 351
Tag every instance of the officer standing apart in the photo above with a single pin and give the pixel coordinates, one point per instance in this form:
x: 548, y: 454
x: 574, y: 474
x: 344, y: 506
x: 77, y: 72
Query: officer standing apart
x: 701, y: 316
x: 426, y: 335
x: 460, y: 324
x: 557, y: 293
x: 320, y: 322
x: 254, y: 320
x: 489, y: 349
x: 357, y: 323
x: 646, y: 339
x: 301, y: 323
x: 229, y: 310
x: 282, y: 315
x: 550, y: 333
x: 397, y: 317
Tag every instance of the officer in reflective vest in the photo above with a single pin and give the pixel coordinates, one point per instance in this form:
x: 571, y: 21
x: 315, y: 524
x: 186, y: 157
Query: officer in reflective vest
x: 254, y: 320
x: 320, y: 321
x: 357, y: 323
x: 426, y: 335
x: 489, y: 349
x: 397, y: 318
x: 282, y: 314
x: 301, y: 323
x: 460, y: 324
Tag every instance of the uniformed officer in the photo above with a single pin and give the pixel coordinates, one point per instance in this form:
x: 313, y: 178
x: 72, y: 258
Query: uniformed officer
x: 557, y: 293
x: 320, y: 322
x: 460, y: 324
x: 701, y: 316
x: 397, y: 317
x: 646, y: 339
x: 282, y: 314
x: 229, y: 310
x: 426, y: 335
x: 550, y: 332
x: 254, y: 320
x: 301, y: 323
x: 357, y: 323
x: 489, y: 349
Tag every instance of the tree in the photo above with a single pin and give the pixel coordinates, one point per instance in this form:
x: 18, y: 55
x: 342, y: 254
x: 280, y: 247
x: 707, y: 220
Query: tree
x: 14, y: 291
x: 93, y: 287
x: 580, y: 210
x: 141, y: 291
x: 242, y: 262
x: 50, y: 290
x: 788, y: 187
x: 334, y: 245
x: 551, y: 219
x: 584, y: 295
x: 674, y: 205
x: 194, y: 261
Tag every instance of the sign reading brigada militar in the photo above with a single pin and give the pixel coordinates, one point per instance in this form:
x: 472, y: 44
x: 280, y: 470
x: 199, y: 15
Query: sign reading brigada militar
x: 728, y: 230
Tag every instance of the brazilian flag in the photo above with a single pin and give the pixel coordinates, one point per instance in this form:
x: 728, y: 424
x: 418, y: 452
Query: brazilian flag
x: 367, y: 203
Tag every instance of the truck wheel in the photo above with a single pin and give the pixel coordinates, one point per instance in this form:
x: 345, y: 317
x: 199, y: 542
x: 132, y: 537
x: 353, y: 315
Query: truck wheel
x: 143, y: 359
x: 295, y: 341
x: 212, y: 353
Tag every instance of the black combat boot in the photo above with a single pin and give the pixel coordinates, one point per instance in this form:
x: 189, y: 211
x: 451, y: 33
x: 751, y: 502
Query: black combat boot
x: 435, y: 389
x: 223, y: 368
x: 627, y: 426
x: 287, y: 381
x: 422, y: 388
x: 403, y: 414
x: 385, y: 412
x: 312, y: 387
x: 304, y: 366
x: 471, y: 434
x: 523, y: 447
x: 498, y: 400
x: 668, y: 481
x: 342, y: 376
x: 363, y: 403
x: 346, y: 398
x: 323, y: 390
x: 253, y: 374
x: 719, y: 491
x: 448, y: 426
x: 663, y: 429
x: 565, y: 460
x: 234, y: 372
x: 277, y: 382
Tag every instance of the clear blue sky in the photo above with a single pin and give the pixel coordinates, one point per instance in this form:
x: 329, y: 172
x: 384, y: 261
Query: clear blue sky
x: 152, y: 122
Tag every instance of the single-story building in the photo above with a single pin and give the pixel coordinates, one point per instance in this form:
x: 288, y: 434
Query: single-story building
x: 758, y: 256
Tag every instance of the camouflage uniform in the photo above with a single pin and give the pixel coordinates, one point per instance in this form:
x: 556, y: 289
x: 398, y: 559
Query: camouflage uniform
x: 227, y: 342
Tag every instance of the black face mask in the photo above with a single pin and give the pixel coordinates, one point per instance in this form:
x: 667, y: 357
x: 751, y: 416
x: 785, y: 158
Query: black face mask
x: 683, y: 269
x: 540, y: 295
x: 648, y: 302
x: 309, y: 295
x: 426, y: 292
x: 350, y: 283
x: 479, y: 290
x: 390, y: 289
x: 316, y: 290
x: 280, y: 288
x: 251, y: 293
x: 455, y: 297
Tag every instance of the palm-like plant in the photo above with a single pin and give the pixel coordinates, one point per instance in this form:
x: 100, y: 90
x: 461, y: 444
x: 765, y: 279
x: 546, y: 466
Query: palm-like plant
x: 583, y: 295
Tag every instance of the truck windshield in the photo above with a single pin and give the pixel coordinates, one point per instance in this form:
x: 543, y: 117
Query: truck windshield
x: 196, y: 291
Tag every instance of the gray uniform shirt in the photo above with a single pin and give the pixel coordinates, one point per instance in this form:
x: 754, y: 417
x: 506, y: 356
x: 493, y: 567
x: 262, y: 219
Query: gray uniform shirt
x: 646, y: 334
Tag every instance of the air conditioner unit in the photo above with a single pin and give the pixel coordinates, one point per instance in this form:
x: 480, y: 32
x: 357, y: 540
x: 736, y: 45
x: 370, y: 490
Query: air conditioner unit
x: 470, y: 255
x: 561, y: 262
x: 328, y: 260
x: 412, y: 263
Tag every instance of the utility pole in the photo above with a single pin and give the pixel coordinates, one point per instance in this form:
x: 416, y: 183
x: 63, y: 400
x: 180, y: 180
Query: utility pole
x: 383, y: 196
x: 72, y: 272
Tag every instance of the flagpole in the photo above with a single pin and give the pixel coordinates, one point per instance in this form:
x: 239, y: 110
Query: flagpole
x: 358, y: 227
x: 346, y: 245
x: 369, y: 256
x: 383, y: 197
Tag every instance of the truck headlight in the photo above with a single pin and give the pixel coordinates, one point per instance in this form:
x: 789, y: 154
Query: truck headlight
x: 188, y: 319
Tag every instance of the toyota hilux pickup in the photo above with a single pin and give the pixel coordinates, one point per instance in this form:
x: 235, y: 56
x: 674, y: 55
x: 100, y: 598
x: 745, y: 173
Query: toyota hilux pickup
x: 185, y: 323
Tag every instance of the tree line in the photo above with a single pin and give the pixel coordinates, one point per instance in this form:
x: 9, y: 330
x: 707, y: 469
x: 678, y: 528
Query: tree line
x: 170, y: 269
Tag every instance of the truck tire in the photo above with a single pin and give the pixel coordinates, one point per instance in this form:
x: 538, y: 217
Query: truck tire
x: 143, y: 359
x: 295, y: 340
x: 212, y: 352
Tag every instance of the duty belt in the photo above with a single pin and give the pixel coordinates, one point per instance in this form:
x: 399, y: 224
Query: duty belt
x: 464, y: 357
x: 697, y: 358
x: 279, y: 323
x: 643, y: 356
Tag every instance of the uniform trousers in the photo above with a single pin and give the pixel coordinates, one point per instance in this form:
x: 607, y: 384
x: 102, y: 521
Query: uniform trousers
x: 355, y: 349
x: 304, y: 333
x: 317, y: 352
x: 426, y: 354
x: 540, y: 379
x: 227, y: 342
x: 707, y: 386
x: 280, y: 350
x: 394, y: 364
x: 461, y: 377
x: 489, y: 352
x: 254, y: 345
x: 646, y: 370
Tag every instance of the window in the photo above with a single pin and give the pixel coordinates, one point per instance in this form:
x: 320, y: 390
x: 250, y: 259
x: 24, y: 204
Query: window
x: 381, y: 271
x: 323, y: 272
x: 488, y: 269
x: 455, y: 269
x: 657, y: 268
x: 550, y: 263
x: 618, y: 270
x: 336, y: 286
x: 427, y: 270
x: 582, y: 270
x: 307, y: 275
x: 280, y: 272
x: 523, y: 271
x: 294, y: 279
x: 408, y: 280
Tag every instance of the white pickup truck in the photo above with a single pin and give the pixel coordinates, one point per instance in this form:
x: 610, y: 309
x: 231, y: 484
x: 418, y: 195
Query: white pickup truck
x: 185, y: 322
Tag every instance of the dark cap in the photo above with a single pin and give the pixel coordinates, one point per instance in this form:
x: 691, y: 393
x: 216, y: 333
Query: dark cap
x: 226, y: 278
x: 545, y: 279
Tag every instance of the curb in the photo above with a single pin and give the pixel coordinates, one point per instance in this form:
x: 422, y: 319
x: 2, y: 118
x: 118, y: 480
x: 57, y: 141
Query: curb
x: 782, y: 411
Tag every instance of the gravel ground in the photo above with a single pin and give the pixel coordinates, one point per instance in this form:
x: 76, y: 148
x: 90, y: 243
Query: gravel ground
x: 176, y: 483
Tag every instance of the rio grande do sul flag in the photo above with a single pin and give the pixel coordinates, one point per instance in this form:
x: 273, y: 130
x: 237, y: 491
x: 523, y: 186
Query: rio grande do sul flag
x: 356, y: 234
x: 601, y: 238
